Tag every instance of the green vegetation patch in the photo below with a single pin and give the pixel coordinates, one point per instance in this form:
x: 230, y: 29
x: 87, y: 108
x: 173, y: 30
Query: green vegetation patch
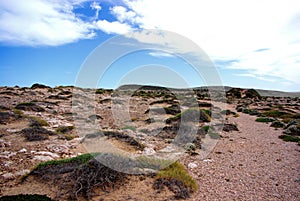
x: 289, y: 138
x: 37, y: 121
x: 264, y: 119
x: 191, y: 114
x: 36, y: 133
x: 29, y: 106
x: 274, y: 113
x: 77, y: 177
x: 129, y: 127
x: 177, y: 179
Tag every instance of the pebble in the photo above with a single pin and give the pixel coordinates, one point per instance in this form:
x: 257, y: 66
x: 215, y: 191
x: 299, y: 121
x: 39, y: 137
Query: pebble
x: 149, y: 151
x: 47, y: 153
x: 22, y: 150
x: 8, y: 176
x: 192, y: 165
x: 42, y: 158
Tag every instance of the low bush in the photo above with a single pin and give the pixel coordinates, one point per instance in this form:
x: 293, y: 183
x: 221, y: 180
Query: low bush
x: 177, y: 179
x: 191, y: 114
x: 264, y: 119
x: 36, y: 133
x: 274, y: 113
x: 29, y: 106
x: 77, y: 177
x: 37, y: 122
x: 289, y: 138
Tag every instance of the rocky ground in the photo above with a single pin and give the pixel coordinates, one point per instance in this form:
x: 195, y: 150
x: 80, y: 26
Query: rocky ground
x: 256, y: 156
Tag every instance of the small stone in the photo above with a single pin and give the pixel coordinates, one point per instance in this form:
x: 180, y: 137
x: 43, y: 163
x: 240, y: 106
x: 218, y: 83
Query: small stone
x: 22, y: 172
x: 42, y: 158
x: 207, y: 160
x: 22, y: 150
x: 8, y: 176
x: 47, y: 153
x: 149, y: 151
x: 192, y: 165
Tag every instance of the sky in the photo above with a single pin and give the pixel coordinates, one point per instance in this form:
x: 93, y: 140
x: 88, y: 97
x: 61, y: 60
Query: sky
x: 251, y: 43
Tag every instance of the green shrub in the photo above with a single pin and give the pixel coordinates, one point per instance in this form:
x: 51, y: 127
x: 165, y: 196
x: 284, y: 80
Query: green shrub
x: 274, y: 113
x: 264, y: 119
x: 289, y: 138
x: 177, y: 179
x: 29, y: 106
x: 36, y: 121
x: 18, y: 112
x: 129, y: 127
x: 64, y: 129
x: 36, y: 133
x: 191, y: 114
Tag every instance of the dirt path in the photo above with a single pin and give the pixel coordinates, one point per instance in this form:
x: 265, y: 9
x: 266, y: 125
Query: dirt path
x: 250, y: 164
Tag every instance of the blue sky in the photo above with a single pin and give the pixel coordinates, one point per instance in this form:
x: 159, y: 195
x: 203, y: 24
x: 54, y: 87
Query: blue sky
x: 253, y: 44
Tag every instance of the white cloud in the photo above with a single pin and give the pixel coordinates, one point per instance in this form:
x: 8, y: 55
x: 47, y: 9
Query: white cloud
x: 233, y: 30
x: 160, y: 54
x: 96, y: 7
x: 123, y: 15
x: 112, y: 27
x: 50, y: 22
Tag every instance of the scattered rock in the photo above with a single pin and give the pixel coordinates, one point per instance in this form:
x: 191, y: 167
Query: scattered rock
x: 60, y: 149
x: 46, y: 153
x: 230, y: 127
x: 8, y: 176
x: 29, y: 106
x: 4, y: 144
x: 190, y: 147
x: 192, y: 165
x: 148, y: 151
x: 292, y: 130
x: 42, y: 158
x: 22, y: 150
x: 277, y: 124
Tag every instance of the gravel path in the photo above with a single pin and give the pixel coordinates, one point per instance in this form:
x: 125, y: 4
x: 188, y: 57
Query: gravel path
x: 249, y: 164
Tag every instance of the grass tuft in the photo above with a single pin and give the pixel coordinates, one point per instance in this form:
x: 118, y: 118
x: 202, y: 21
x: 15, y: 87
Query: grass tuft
x: 289, y: 138
x: 264, y: 119
x: 177, y: 171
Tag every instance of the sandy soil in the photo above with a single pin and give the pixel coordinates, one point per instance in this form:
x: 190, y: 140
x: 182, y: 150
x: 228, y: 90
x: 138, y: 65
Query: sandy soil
x: 249, y: 164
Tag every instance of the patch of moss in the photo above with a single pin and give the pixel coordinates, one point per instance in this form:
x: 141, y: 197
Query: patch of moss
x: 18, y: 112
x: 274, y: 113
x: 289, y: 138
x: 206, y: 128
x: 37, y: 121
x: 176, y: 174
x: 264, y: 119
x: 191, y: 114
x: 129, y: 127
x: 64, y: 129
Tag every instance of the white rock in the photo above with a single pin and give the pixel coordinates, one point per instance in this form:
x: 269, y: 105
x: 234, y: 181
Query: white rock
x: 207, y: 160
x: 47, y: 153
x: 22, y: 172
x: 22, y: 150
x: 7, y: 154
x: 8, y: 176
x: 4, y: 144
x: 61, y: 149
x: 149, y: 151
x: 42, y: 158
x: 192, y: 165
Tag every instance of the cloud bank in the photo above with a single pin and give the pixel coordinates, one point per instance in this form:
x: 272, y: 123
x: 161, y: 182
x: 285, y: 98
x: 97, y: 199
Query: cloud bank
x: 261, y: 37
